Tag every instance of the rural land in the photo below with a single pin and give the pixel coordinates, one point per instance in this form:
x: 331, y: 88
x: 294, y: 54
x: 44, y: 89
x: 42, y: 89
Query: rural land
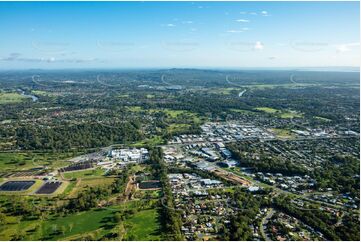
x: 179, y: 154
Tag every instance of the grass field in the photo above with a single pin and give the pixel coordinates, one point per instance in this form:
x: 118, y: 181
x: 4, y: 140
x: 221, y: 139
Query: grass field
x: 267, y: 110
x: 93, y: 173
x: 177, y: 127
x: 81, y: 184
x: 38, y: 92
x: 280, y: 113
x: 135, y: 108
x: 283, y: 133
x: 69, y: 188
x: 323, y: 119
x: 155, y: 140
x: 6, y: 98
x: 27, y: 160
x: 170, y: 112
x: 144, y: 225
x: 149, y: 96
x: 291, y: 115
x: 241, y: 111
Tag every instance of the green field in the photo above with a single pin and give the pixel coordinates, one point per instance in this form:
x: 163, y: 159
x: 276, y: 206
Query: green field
x: 149, y: 96
x: 84, y: 174
x: 135, y: 108
x: 267, y: 110
x: 177, y: 127
x: 74, y: 224
x: 283, y: 133
x: 43, y: 93
x: 291, y: 115
x: 241, y: 111
x: 280, y: 113
x: 323, y: 119
x: 155, y: 140
x: 144, y: 225
x: 10, y: 161
x: 6, y: 98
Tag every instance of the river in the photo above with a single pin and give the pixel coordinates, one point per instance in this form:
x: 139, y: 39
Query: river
x: 33, y: 97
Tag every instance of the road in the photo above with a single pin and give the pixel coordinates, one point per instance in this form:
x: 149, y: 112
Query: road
x: 264, y: 223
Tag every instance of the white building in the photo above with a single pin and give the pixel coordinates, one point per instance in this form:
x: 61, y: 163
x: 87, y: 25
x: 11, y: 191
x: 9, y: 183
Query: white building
x: 130, y: 155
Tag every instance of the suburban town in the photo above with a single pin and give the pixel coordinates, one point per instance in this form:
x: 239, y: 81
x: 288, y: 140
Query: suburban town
x: 180, y: 121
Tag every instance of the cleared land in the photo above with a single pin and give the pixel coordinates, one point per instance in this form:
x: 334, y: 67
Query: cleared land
x: 6, y: 98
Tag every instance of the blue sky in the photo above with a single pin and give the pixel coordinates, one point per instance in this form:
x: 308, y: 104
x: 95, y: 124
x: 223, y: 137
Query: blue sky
x: 178, y: 34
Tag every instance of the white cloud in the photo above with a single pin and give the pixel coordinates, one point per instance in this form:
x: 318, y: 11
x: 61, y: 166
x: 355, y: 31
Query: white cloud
x: 258, y: 46
x: 170, y: 25
x: 234, y: 31
x: 264, y: 13
x: 243, y: 12
x: 187, y: 22
x: 245, y: 28
x: 18, y: 57
x: 242, y: 20
x: 342, y: 48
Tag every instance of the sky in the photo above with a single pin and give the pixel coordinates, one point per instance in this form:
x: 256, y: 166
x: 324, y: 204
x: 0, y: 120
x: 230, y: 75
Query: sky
x: 56, y: 35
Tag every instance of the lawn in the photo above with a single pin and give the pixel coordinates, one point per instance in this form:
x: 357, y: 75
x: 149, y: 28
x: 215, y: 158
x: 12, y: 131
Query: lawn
x: 150, y: 96
x: 93, y: 173
x: 267, y: 110
x: 241, y: 111
x: 82, y: 184
x: 16, y: 161
x: 291, y: 115
x: 135, y: 108
x: 78, y: 223
x: 322, y: 119
x: 74, y: 224
x: 10, y: 161
x: 38, y: 92
x: 155, y: 140
x: 170, y: 112
x: 177, y: 127
x: 283, y: 133
x: 280, y: 113
x: 69, y: 187
x: 6, y: 98
x: 144, y: 225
